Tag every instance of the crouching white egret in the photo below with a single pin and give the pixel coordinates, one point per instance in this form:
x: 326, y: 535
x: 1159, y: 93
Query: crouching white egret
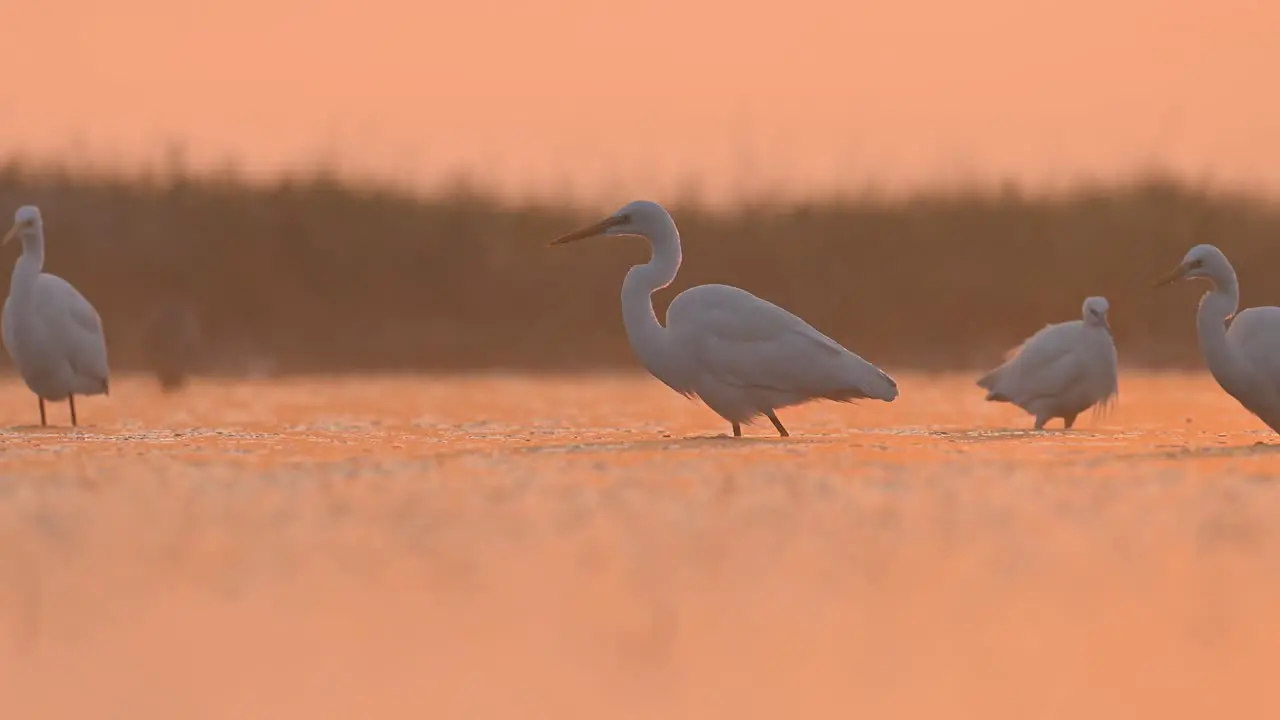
x: 742, y: 356
x: 1245, y: 358
x: 52, y: 333
x: 1062, y: 370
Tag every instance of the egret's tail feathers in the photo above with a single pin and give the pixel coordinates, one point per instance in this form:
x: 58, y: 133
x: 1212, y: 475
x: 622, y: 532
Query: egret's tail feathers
x: 879, y: 386
x: 888, y: 391
x: 988, y: 381
x: 847, y: 395
x: 1104, y: 407
x: 90, y: 385
x: 880, y: 389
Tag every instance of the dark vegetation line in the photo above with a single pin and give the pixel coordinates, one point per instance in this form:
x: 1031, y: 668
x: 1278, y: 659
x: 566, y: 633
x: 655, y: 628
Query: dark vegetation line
x: 314, y: 275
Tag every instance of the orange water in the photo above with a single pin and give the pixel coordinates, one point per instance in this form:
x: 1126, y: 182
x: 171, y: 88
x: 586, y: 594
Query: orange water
x: 590, y: 547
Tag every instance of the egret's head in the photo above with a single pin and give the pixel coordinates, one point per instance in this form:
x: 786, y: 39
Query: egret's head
x: 638, y: 217
x: 1201, y: 261
x: 1095, y: 311
x: 25, y: 220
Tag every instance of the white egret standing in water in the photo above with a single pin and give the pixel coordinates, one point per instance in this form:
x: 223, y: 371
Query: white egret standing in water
x: 743, y: 356
x: 1245, y: 358
x: 51, y: 332
x: 1062, y: 370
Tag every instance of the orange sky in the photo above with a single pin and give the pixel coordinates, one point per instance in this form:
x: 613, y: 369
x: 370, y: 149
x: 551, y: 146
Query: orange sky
x: 629, y: 99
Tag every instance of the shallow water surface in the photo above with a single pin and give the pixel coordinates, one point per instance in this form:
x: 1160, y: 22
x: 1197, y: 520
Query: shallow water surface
x: 596, y: 547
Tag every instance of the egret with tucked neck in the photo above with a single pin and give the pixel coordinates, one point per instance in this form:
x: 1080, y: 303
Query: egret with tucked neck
x: 1245, y: 358
x: 1062, y: 370
x: 742, y: 356
x: 52, y: 333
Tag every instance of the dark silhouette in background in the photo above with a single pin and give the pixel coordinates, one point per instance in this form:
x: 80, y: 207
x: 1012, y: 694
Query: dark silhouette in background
x: 173, y: 345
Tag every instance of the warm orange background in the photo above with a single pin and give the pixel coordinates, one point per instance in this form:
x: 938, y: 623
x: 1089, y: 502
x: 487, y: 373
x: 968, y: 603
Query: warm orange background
x: 594, y: 97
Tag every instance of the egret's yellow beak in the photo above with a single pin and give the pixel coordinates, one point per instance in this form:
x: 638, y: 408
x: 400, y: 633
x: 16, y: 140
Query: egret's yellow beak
x: 13, y: 232
x: 590, y: 230
x: 1177, y: 274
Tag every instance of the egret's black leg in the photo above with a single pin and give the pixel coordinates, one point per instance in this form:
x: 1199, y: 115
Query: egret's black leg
x: 777, y: 423
x: 737, y: 430
x: 72, y: 400
x: 1068, y: 421
x: 42, y: 421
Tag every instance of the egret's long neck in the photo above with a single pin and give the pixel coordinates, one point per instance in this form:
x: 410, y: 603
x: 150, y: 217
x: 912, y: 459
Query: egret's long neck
x: 1211, y: 325
x: 29, y: 266
x: 646, y: 334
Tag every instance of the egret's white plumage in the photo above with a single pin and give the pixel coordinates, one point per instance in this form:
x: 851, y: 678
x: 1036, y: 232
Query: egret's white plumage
x: 743, y: 356
x: 1245, y: 358
x: 1062, y: 370
x: 52, y: 333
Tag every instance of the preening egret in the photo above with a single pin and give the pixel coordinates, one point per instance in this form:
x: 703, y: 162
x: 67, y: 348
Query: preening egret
x: 1062, y: 370
x: 1245, y: 359
x: 742, y: 356
x: 52, y: 333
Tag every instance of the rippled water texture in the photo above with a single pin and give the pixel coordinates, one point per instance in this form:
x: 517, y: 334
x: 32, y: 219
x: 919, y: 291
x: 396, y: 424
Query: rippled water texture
x: 510, y: 547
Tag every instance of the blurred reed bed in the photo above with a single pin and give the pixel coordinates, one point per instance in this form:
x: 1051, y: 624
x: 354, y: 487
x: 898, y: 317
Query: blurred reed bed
x: 314, y: 274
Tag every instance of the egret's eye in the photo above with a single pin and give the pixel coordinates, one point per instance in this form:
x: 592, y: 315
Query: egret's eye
x: 1196, y: 264
x: 625, y: 218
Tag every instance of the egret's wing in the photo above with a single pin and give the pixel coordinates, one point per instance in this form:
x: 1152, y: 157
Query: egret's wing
x: 6, y: 328
x: 1255, y: 333
x: 83, y: 336
x: 749, y: 342
x: 1255, y: 336
x: 84, y: 315
x: 1043, y: 366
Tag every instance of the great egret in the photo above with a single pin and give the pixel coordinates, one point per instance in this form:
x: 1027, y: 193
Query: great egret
x: 1245, y: 359
x: 742, y: 356
x: 52, y: 333
x: 1062, y: 370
